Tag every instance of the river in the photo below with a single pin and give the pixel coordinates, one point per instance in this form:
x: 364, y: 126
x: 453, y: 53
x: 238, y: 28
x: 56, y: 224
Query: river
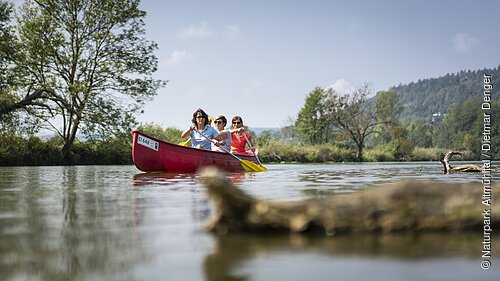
x: 117, y: 223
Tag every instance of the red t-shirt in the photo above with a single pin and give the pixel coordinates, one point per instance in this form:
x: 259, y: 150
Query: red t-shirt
x: 238, y: 143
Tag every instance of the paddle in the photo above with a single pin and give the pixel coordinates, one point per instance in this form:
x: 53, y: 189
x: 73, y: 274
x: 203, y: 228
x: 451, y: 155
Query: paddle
x: 247, y: 165
x: 185, y: 143
x: 252, y: 147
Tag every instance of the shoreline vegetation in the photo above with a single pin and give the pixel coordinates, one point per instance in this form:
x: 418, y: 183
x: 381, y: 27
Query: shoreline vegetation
x: 117, y: 150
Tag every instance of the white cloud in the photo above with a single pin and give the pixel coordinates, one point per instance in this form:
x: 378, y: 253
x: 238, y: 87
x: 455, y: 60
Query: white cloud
x: 201, y: 31
x: 178, y: 56
x: 341, y: 86
x: 463, y: 42
x: 232, y: 31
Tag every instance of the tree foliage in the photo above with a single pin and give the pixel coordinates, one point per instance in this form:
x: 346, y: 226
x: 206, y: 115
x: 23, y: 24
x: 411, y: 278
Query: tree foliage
x: 6, y: 52
x: 170, y: 134
x: 311, y: 124
x: 88, y: 62
x: 421, y: 132
x: 7, y: 48
x: 390, y: 132
x: 387, y: 107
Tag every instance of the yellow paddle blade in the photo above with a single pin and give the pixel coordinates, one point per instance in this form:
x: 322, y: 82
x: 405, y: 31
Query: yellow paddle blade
x: 252, y: 167
x: 184, y: 143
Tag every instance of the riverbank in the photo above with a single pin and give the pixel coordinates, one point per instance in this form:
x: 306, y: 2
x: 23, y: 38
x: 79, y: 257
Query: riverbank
x: 117, y: 150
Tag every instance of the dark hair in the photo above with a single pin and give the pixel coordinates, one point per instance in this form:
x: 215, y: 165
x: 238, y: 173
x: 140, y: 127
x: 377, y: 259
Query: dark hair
x: 223, y: 118
x: 199, y: 110
x: 236, y: 118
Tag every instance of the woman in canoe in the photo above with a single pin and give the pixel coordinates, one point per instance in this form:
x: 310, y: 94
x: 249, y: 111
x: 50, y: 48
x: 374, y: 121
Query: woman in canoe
x: 225, y: 144
x: 201, y: 132
x: 240, y: 138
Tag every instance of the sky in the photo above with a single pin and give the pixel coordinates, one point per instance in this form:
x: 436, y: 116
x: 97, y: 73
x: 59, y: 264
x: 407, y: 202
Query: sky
x: 260, y: 58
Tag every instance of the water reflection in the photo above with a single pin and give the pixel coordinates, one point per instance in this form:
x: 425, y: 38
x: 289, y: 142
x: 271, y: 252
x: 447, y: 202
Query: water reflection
x: 166, y: 178
x: 162, y: 178
x: 200, y: 208
x: 65, y: 230
x: 242, y: 257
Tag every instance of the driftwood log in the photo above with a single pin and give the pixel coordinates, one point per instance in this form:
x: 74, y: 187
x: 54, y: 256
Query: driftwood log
x: 405, y: 206
x: 471, y: 168
x: 467, y: 168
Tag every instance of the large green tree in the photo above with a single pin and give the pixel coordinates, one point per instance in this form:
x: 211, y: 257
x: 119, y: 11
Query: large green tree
x: 387, y: 110
x: 390, y: 131
x: 388, y: 107
x: 311, y: 124
x: 90, y: 63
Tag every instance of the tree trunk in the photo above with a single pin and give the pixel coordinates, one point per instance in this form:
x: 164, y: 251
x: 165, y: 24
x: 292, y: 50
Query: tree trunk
x: 65, y: 151
x: 69, y: 140
x: 359, y: 151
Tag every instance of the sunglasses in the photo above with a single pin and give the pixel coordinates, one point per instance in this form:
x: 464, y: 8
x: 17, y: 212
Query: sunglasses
x: 218, y: 122
x: 199, y: 117
x: 236, y: 123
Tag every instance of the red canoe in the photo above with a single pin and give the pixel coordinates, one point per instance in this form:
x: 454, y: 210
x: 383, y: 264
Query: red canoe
x: 151, y: 154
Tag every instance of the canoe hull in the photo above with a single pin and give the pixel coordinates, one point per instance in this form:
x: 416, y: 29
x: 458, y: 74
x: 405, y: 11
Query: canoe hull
x: 151, y: 154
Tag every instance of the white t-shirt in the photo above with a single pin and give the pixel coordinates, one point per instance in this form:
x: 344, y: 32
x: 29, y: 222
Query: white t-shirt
x: 227, y: 140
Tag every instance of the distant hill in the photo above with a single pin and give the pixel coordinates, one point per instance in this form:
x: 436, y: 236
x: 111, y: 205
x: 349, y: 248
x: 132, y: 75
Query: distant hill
x: 426, y: 97
x: 258, y: 130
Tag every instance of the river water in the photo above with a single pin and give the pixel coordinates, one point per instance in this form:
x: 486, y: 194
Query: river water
x: 116, y: 223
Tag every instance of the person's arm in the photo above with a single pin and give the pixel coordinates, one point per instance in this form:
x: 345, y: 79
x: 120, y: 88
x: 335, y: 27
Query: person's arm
x: 249, y: 141
x: 239, y: 130
x: 187, y: 132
